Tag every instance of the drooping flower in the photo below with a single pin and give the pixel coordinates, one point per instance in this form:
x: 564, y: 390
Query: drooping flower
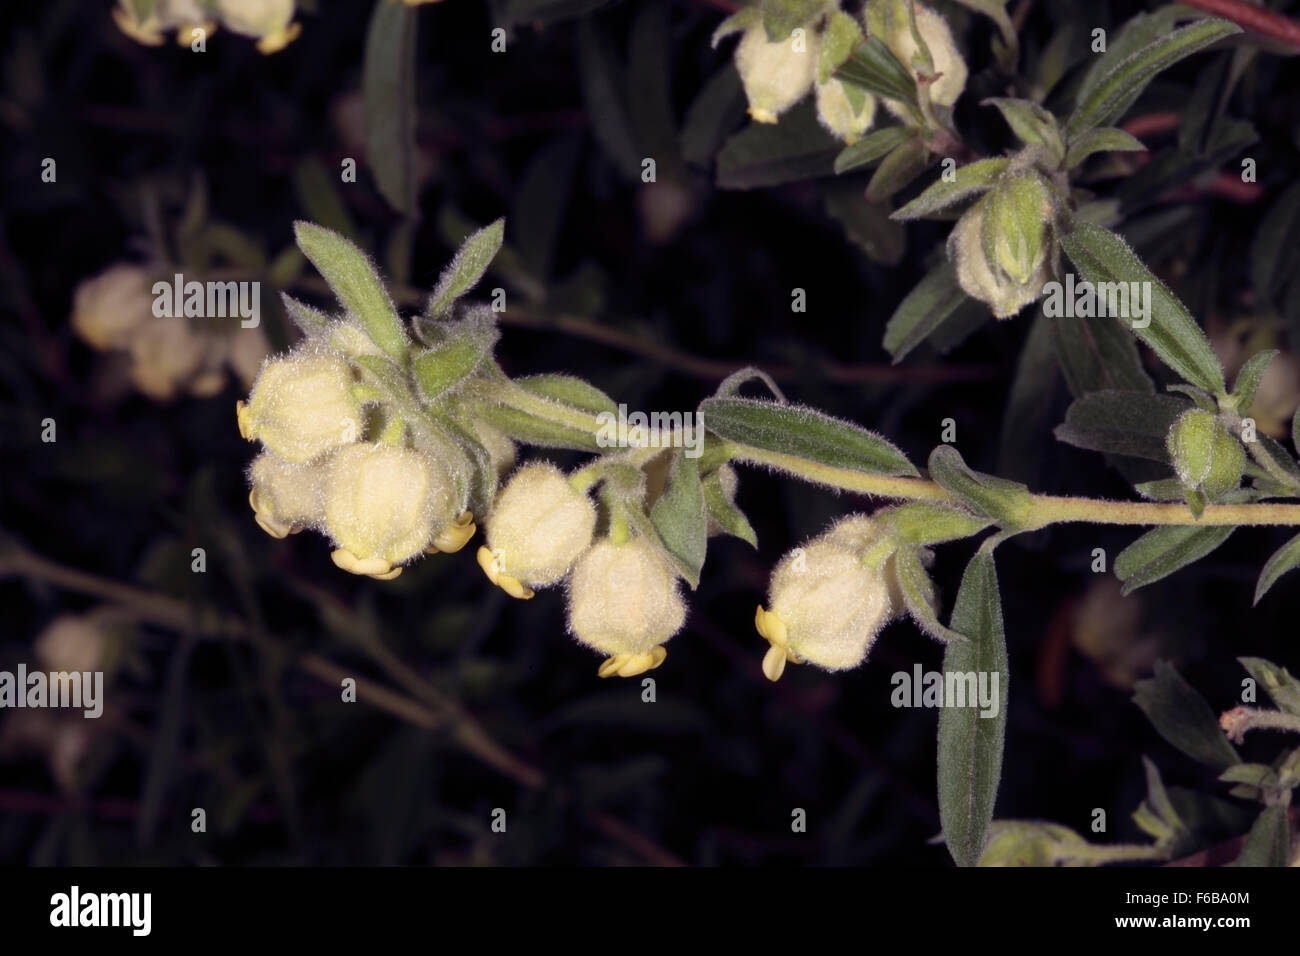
x: 302, y: 406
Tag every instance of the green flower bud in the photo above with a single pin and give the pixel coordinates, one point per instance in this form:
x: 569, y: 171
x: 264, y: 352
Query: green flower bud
x: 776, y: 75
x: 384, y: 505
x: 1017, y: 225
x: 825, y: 605
x: 285, y: 498
x: 1030, y: 843
x: 624, y: 602
x: 836, y: 111
x: 1000, y: 292
x: 1205, y: 455
x: 302, y: 406
x: 888, y: 20
x: 538, y: 526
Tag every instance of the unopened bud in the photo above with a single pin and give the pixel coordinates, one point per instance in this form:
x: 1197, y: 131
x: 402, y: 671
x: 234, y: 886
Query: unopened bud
x: 72, y: 642
x: 1204, y: 454
x: 775, y: 75
x: 888, y: 19
x: 285, y: 498
x: 980, y: 279
x: 624, y: 602
x: 1017, y: 222
x: 268, y: 21
x: 384, y: 505
x: 825, y: 606
x: 538, y: 527
x: 302, y: 406
x: 837, y: 111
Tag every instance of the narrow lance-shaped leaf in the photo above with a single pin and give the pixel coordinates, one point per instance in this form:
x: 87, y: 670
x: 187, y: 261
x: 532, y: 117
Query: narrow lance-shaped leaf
x: 971, y: 737
x: 874, y: 68
x: 388, y: 86
x: 355, y: 281
x: 1182, y: 717
x: 1170, y: 331
x: 1248, y: 379
x: 1284, y: 559
x: 1105, y: 139
x: 935, y: 300
x: 871, y: 148
x: 467, y: 268
x: 1112, y: 97
x: 968, y: 180
x: 1281, y: 686
x: 1162, y: 551
x: 802, y: 433
x: 1269, y: 841
x: 724, y: 512
x: 918, y: 596
x: 1031, y: 123
x: 1007, y: 502
x: 1122, y: 423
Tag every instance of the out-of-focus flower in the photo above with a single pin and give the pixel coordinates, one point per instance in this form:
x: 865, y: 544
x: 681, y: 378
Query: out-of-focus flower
x: 268, y: 21
x: 72, y: 642
x: 108, y: 309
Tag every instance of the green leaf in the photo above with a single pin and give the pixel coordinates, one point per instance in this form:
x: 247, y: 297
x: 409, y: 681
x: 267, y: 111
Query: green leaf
x: 970, y: 746
x: 1183, y: 718
x: 1101, y: 140
x: 898, y: 169
x: 535, y: 430
x: 1162, y: 551
x: 875, y: 69
x: 1275, y: 460
x: 1022, y: 444
x: 1156, y: 815
x: 467, y: 268
x: 603, y: 82
x: 1097, y: 355
x: 310, y: 321
x: 1006, y: 502
x: 679, y: 517
x: 969, y: 180
x: 927, y: 522
x: 866, y: 223
x: 1248, y: 379
x: 727, y: 516
x: 1122, y: 423
x: 738, y: 22
x: 571, y: 391
x: 871, y: 148
x: 354, y: 280
x: 1101, y: 256
x: 918, y: 595
x: 1269, y: 841
x: 441, y: 368
x: 803, y: 433
x: 936, y: 300
x: 715, y: 112
x: 318, y: 194
x: 1284, y: 559
x: 783, y: 17
x: 388, y: 86
x: 763, y: 154
x: 1281, y: 686
x: 1034, y: 125
x: 1275, y: 251
x: 649, y: 92
x: 841, y: 37
x: 1112, y: 97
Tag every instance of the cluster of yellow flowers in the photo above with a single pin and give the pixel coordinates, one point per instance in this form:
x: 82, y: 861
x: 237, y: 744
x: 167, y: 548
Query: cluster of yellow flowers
x: 778, y: 73
x: 269, y: 22
x: 168, y: 356
x: 386, y: 493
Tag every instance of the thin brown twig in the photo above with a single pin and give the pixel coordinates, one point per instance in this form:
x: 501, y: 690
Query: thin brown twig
x: 468, y: 733
x: 709, y: 369
x: 1256, y: 19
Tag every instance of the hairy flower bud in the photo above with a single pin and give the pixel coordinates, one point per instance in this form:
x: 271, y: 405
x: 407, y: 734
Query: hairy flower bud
x: 846, y: 112
x: 888, y: 19
x: 285, y: 498
x: 538, y: 527
x: 982, y: 280
x: 624, y: 602
x: 826, y: 605
x: 72, y: 642
x: 1204, y: 454
x: 1017, y: 225
x: 302, y: 406
x: 109, y: 309
x: 384, y: 505
x: 265, y: 20
x: 776, y: 75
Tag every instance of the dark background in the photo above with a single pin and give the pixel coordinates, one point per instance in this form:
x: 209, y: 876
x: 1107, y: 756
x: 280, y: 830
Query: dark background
x: 711, y: 772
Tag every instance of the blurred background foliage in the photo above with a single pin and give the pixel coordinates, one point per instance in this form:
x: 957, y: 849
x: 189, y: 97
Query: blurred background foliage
x: 225, y: 686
